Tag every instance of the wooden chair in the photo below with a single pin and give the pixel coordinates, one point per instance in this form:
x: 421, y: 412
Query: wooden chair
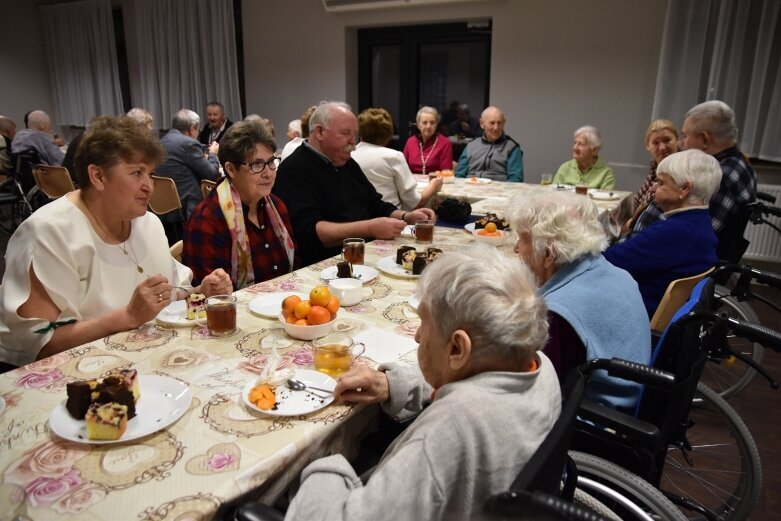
x: 53, y: 181
x: 677, y: 295
x: 207, y: 186
x: 176, y: 250
x: 165, y: 198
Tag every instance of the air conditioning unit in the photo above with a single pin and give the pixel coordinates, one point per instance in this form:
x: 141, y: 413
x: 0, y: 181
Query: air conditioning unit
x: 340, y: 6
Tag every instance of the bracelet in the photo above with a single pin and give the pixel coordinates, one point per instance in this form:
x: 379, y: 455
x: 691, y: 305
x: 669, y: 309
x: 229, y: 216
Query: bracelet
x: 403, y: 215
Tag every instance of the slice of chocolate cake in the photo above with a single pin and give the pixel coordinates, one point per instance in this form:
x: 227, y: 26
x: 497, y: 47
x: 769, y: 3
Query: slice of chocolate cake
x: 344, y: 270
x: 79, y: 397
x: 419, y: 264
x: 433, y: 253
x: 117, y: 392
x: 400, y: 253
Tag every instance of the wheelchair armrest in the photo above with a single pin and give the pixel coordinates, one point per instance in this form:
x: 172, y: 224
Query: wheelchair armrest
x: 622, y: 424
x: 257, y: 511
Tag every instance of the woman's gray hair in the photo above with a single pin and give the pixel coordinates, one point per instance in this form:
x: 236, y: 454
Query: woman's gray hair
x: 427, y: 110
x: 564, y: 222
x: 142, y: 116
x: 491, y: 296
x: 717, y: 118
x: 185, y: 119
x: 698, y: 168
x: 592, y: 135
x: 324, y: 112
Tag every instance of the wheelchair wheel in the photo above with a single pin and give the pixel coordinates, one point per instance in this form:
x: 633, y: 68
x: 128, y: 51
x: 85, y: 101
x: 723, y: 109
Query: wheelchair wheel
x: 625, y: 494
x: 720, y: 469
x: 12, y: 215
x: 729, y: 377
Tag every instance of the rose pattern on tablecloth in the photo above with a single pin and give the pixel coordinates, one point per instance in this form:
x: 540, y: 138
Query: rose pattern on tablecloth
x: 257, y: 363
x: 292, y: 282
x: 80, y: 498
x: 260, y: 342
x: 141, y: 339
x: 223, y: 457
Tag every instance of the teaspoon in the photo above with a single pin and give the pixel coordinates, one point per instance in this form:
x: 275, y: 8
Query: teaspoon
x: 297, y: 385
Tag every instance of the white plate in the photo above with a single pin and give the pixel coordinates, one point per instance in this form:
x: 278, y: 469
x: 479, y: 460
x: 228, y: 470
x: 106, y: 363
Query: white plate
x: 163, y: 400
x: 360, y: 271
x: 408, y: 231
x: 477, y: 181
x: 603, y: 195
x: 414, y: 302
x: 470, y: 227
x: 295, y: 403
x: 270, y: 305
x: 175, y: 314
x: 388, y: 265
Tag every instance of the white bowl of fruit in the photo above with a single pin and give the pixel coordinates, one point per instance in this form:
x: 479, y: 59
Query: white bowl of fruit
x: 490, y: 235
x: 309, y: 319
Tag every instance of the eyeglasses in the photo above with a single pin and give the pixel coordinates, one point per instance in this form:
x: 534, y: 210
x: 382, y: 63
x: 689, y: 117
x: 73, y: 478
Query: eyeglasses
x: 257, y: 167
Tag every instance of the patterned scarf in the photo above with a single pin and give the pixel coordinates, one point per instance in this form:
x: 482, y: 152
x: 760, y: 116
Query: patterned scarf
x: 242, y: 271
x: 644, y: 194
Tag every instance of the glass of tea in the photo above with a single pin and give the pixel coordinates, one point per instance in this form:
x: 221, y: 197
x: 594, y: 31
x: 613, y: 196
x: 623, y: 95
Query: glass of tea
x: 352, y: 250
x: 220, y: 315
x: 546, y: 179
x: 581, y: 189
x: 424, y: 231
x: 335, y: 353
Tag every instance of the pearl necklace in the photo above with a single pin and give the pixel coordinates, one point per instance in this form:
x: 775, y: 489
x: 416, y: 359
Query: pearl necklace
x: 122, y: 248
x: 423, y: 159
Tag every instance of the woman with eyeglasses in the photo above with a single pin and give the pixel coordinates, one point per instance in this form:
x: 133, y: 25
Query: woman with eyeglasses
x: 240, y: 227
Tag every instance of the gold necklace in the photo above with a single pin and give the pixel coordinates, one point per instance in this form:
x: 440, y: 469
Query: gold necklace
x: 122, y: 248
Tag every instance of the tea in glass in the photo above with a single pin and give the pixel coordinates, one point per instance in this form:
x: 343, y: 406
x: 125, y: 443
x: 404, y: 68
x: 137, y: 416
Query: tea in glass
x: 352, y: 250
x: 334, y: 354
x: 221, y: 315
x: 581, y: 189
x: 424, y: 231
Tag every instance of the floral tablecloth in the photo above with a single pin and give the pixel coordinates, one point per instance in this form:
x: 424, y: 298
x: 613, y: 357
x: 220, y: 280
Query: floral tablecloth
x: 218, y: 450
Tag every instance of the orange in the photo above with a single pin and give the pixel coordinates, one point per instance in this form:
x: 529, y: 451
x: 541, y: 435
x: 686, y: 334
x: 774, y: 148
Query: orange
x: 320, y: 296
x: 318, y: 315
x: 333, y: 306
x: 301, y: 322
x: 289, y: 304
x: 490, y: 227
x: 302, y: 308
x: 291, y: 318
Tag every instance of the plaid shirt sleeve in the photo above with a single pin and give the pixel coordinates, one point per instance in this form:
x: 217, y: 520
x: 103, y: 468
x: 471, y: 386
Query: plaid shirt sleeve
x: 649, y: 216
x: 738, y: 187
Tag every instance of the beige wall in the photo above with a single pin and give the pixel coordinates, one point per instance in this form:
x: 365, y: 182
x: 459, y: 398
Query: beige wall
x: 556, y: 65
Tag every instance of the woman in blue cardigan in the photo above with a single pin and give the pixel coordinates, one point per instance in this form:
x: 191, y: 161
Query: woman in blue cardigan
x: 682, y: 243
x: 594, y: 309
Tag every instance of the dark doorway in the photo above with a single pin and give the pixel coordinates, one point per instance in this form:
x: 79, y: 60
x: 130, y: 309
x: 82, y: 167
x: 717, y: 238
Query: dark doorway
x: 403, y: 68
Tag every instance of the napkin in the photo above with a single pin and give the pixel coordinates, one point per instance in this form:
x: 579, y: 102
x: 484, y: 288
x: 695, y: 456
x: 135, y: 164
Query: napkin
x: 273, y: 376
x: 383, y: 345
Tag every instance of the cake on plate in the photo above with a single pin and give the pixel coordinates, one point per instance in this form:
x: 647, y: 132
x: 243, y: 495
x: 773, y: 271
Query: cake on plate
x: 196, y: 306
x: 106, y: 421
x: 344, y: 270
x: 490, y: 217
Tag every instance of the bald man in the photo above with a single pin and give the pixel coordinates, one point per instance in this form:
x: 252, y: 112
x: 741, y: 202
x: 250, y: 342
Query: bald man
x: 7, y: 133
x: 38, y: 138
x: 495, y: 155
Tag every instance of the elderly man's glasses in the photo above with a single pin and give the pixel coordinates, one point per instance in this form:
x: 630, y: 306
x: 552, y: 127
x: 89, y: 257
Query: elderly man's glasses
x: 257, y: 167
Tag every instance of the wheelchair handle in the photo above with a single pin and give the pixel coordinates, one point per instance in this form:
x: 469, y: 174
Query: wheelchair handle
x: 754, y: 332
x: 764, y: 196
x: 640, y: 373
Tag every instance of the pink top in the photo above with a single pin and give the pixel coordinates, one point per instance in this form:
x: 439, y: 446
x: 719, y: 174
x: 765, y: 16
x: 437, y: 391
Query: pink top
x: 437, y: 154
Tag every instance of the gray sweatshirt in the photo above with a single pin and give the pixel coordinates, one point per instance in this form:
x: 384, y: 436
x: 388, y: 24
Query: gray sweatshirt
x: 468, y: 445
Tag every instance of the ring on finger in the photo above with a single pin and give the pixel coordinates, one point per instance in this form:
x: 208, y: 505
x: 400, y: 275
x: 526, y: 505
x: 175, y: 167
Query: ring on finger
x: 159, y: 297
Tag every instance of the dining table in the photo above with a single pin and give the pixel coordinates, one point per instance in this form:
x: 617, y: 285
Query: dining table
x: 218, y: 451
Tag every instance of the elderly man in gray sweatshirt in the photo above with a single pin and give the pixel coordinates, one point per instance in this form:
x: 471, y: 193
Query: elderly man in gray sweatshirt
x: 484, y: 397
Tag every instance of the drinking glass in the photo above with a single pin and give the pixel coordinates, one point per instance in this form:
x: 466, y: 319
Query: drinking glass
x: 220, y: 315
x: 424, y: 231
x: 334, y: 353
x: 352, y: 250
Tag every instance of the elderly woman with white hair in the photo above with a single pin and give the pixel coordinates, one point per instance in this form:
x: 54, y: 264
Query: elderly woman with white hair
x: 490, y: 398
x: 430, y: 151
x: 586, y: 167
x: 594, y: 309
x: 682, y: 243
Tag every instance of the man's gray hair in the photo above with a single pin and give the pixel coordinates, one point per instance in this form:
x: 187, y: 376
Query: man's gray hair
x: 715, y: 117
x: 698, y: 168
x: 295, y: 126
x: 427, y: 110
x: 38, y: 120
x: 592, y: 135
x: 324, y: 112
x: 491, y: 296
x: 142, y: 116
x: 185, y: 120
x: 563, y: 222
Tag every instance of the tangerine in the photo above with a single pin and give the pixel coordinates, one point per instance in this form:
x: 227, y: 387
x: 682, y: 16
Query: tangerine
x: 302, y: 308
x: 320, y: 296
x: 333, y: 306
x: 289, y: 304
x: 318, y: 315
x: 490, y: 227
x: 291, y: 318
x: 301, y: 322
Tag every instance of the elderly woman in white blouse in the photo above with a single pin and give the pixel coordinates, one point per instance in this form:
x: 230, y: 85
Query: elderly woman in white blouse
x: 93, y: 262
x: 386, y: 168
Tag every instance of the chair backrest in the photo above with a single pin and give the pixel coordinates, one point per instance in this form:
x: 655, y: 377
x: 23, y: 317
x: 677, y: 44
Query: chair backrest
x: 176, y: 250
x: 677, y: 294
x: 53, y: 181
x: 732, y: 244
x: 165, y: 197
x: 207, y: 186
